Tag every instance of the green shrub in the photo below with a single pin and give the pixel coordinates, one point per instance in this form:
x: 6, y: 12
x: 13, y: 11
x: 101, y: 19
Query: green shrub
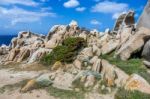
x: 66, y: 52
x: 123, y: 94
x: 74, y: 43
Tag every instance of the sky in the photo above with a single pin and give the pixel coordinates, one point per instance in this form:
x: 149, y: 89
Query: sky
x: 39, y: 16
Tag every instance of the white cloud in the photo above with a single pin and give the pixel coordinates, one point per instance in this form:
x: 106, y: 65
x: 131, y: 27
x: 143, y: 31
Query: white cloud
x: 71, y: 4
x: 95, y: 22
x: 109, y: 7
x: 21, y: 2
x: 17, y: 15
x: 80, y: 9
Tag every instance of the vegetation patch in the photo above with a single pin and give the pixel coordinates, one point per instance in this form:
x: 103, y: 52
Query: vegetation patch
x: 123, y: 94
x: 66, y: 52
x: 130, y: 66
x: 65, y: 94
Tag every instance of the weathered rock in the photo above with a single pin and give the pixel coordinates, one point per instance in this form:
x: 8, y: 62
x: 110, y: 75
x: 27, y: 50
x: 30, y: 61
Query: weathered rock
x: 85, y: 54
x: 4, y: 50
x: 124, y: 20
x: 63, y: 80
x: 12, y: 54
x: 41, y: 81
x: 136, y: 82
x: 146, y: 63
x: 86, y: 77
x: 145, y: 17
x: 134, y: 44
x: 77, y: 64
x: 146, y: 51
x: 96, y: 50
x: 108, y: 72
x: 38, y: 54
x: 97, y: 66
x: 22, y: 55
x: 44, y: 80
x: 109, y: 46
x: 90, y: 81
x: 29, y: 86
x: 94, y: 59
x: 73, y: 23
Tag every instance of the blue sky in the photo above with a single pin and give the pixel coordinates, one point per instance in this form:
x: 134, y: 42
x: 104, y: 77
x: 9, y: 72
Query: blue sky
x: 40, y: 15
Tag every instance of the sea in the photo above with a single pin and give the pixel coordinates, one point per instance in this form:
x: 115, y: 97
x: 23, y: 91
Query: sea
x: 6, y: 39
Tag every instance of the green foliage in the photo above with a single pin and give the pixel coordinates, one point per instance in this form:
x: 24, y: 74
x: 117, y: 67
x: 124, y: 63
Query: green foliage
x: 66, y: 52
x: 130, y: 66
x: 123, y: 94
x: 65, y: 94
x: 74, y: 43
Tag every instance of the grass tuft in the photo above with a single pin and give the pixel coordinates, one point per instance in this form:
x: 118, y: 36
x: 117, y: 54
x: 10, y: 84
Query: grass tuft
x: 123, y: 94
x: 65, y: 94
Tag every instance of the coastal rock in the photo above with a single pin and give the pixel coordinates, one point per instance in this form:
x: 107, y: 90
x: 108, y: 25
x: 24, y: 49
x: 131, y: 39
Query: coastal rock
x: 134, y: 44
x: 97, y: 66
x: 4, y: 50
x: 41, y: 81
x: 12, y: 54
x: 29, y: 86
x: 38, y: 54
x: 144, y: 18
x: 146, y: 51
x: 136, y: 82
x: 77, y: 64
x: 108, y: 72
x: 24, y: 54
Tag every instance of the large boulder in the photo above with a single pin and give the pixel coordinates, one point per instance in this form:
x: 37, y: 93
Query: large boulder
x: 12, y: 54
x: 110, y: 46
x: 4, y: 50
x: 146, y: 51
x: 134, y: 44
x: 136, y: 82
x: 22, y: 55
x: 97, y: 66
x: 144, y: 20
x: 38, y: 54
x: 41, y: 81
x: 86, y: 78
x: 108, y: 72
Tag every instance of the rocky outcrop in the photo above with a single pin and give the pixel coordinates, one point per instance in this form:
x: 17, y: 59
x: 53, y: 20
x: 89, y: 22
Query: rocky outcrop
x: 136, y: 82
x: 146, y: 51
x: 134, y: 44
x: 4, y: 50
x: 144, y: 18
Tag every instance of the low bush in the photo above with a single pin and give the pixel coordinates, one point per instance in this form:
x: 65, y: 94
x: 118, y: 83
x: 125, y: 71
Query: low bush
x: 66, y: 52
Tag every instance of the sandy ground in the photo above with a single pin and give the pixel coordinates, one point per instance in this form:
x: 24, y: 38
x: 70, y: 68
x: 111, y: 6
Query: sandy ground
x: 10, y: 77
x: 35, y: 94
